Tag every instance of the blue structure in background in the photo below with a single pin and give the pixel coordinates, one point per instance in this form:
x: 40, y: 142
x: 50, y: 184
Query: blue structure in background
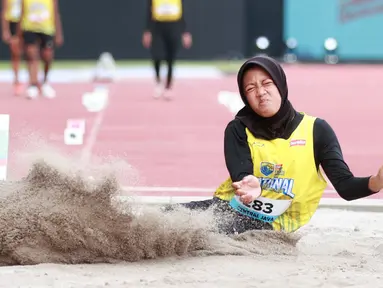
x: 356, y: 24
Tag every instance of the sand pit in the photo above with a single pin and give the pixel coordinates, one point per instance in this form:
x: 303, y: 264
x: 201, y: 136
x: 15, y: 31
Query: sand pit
x: 338, y: 249
x: 60, y: 229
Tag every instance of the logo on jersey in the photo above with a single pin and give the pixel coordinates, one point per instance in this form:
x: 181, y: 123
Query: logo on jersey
x: 267, y: 168
x: 272, y: 182
x: 298, y: 142
x: 278, y: 170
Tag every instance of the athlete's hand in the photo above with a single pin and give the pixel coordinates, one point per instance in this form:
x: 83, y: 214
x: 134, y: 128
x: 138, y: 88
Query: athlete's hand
x: 147, y: 39
x: 6, y: 36
x: 248, y: 189
x: 187, y: 40
x: 376, y: 182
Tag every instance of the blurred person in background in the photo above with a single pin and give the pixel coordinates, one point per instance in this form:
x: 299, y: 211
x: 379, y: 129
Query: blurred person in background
x: 10, y: 17
x: 165, y: 26
x: 40, y: 28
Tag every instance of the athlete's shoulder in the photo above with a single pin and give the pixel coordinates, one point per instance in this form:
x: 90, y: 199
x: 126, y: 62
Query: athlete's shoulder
x: 235, y: 125
x: 322, y: 125
x: 324, y: 135
x: 317, y: 121
x: 235, y: 128
x: 308, y: 117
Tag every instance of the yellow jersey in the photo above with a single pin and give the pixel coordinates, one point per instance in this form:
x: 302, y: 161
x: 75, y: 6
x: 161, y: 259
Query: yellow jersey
x: 291, y: 184
x: 166, y: 10
x: 38, y: 16
x: 13, y: 10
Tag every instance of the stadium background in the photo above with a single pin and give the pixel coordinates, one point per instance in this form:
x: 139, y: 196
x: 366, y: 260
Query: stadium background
x: 223, y: 30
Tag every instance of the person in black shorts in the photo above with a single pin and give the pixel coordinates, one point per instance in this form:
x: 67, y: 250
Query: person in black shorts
x: 165, y: 26
x: 41, y: 32
x: 9, y: 21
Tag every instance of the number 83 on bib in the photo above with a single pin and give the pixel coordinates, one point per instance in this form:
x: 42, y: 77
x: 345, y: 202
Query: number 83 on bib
x: 262, y: 208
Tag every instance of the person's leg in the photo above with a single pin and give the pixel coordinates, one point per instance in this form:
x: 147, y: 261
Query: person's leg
x: 244, y: 223
x: 47, y: 56
x: 156, y: 49
x: 223, y: 214
x: 228, y: 220
x: 171, y: 49
x: 31, y: 45
x: 169, y: 79
x: 157, y: 68
x: 225, y: 217
x: 193, y: 205
x: 199, y: 205
x: 15, y: 50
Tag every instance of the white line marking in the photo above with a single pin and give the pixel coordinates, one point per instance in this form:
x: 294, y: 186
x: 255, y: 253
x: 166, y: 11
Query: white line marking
x: 324, y: 202
x: 125, y: 128
x: 167, y: 189
x: 92, y: 136
x: 180, y: 189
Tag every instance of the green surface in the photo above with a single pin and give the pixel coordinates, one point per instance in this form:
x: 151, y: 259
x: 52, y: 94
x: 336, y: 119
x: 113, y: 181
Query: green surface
x: 227, y: 66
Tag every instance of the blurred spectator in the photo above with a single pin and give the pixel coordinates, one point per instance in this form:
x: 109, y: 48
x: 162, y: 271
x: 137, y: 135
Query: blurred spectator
x: 165, y: 25
x: 41, y: 30
x: 10, y: 17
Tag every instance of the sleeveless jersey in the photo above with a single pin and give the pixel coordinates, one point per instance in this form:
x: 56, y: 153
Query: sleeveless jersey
x: 291, y: 185
x: 13, y: 10
x: 38, y: 16
x: 166, y: 10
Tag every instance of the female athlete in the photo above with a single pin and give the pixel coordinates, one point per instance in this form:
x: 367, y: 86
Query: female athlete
x: 273, y: 154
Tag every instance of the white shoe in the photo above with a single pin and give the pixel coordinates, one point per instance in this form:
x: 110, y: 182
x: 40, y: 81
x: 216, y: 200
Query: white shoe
x: 159, y: 91
x: 168, y: 94
x: 48, y: 91
x: 32, y: 92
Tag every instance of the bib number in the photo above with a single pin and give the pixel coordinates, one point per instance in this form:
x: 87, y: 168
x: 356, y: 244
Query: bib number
x: 16, y: 10
x: 39, y: 17
x: 264, y: 209
x: 38, y: 13
x: 167, y: 10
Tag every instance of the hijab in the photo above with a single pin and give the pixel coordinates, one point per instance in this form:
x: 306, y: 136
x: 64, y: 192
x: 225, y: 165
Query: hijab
x: 279, y: 125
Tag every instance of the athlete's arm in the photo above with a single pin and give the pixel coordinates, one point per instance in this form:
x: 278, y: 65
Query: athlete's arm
x: 59, y: 31
x: 4, y: 23
x: 237, y: 152
x: 329, y: 155
x: 4, y: 8
x: 186, y: 36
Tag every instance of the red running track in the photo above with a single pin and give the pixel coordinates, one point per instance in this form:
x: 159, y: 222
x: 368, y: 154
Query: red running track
x: 178, y: 143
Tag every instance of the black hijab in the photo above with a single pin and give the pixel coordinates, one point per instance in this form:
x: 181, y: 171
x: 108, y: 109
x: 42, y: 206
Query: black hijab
x: 279, y: 125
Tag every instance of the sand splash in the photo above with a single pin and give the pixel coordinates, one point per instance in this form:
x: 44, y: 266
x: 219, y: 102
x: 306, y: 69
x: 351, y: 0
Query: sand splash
x: 55, y: 214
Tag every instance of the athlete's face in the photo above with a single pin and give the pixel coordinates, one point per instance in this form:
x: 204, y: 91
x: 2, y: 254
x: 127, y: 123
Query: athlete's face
x: 261, y: 92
